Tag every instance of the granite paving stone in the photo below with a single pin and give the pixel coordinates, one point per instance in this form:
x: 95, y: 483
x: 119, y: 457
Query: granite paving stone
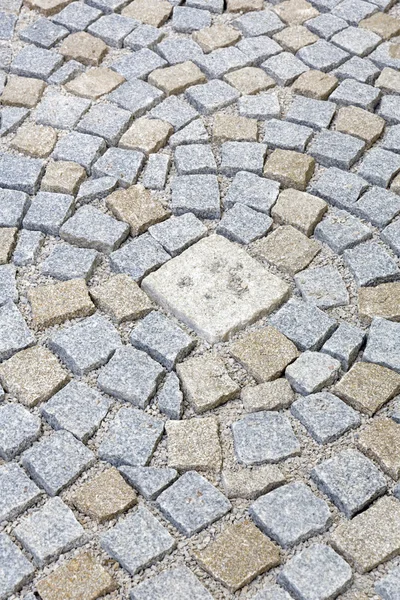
x: 22, y: 91
x: 20, y: 173
x: 95, y: 188
x: 138, y: 65
x: 68, y: 71
x: 122, y: 298
x: 43, y: 33
x: 291, y: 514
x: 335, y: 149
x: 251, y: 484
x: 360, y: 69
x: 136, y: 97
x: 113, y: 29
x: 356, y: 41
x: 124, y: 165
x: 194, y: 159
x: 353, y: 11
x: 391, y: 140
x: 146, y: 135
x: 149, y: 481
x: 288, y: 249
x: 222, y: 61
x: 77, y: 408
x: 341, y: 231
x: 264, y: 437
x: 28, y: 247
x: 269, y: 395
x: 35, y: 140
x: 379, y: 207
x: 104, y: 120
x: 243, y: 224
x: 192, y: 503
x: 382, y: 344
x: 8, y: 288
x: 284, y: 68
x: 379, y: 301
x: 317, y: 114
x: 56, y: 461
x: 170, y: 397
x: 345, y: 343
x: 94, y: 83
x: 316, y: 571
x: 376, y: 441
x: 212, y: 96
x: 131, y: 438
x: 351, y: 92
x: 178, y: 233
x: 261, y: 106
x: 15, y: 570
x: 238, y: 156
x: 322, y: 56
x: 18, y: 429
x: 322, y: 286
x: 252, y: 191
x: 8, y: 239
x: 379, y: 166
x: 139, y: 257
x: 291, y: 169
x: 295, y: 37
x: 68, y: 262
x: 35, y: 62
x: 137, y: 207
x: 325, y: 416
x: 371, y: 264
x: 79, y: 148
x: 61, y: 111
x: 48, y: 212
x: 258, y: 49
x: 315, y: 84
x: 90, y: 228
x: 390, y: 235
x: 143, y: 36
x: 18, y: 491
x: 54, y: 304
x: 272, y: 592
x: 249, y: 80
x: 172, y: 50
x: 180, y: 582
x: 255, y: 23
x: 15, y: 334
x: 193, y: 444
x: 150, y: 12
x: 289, y: 136
x: 216, y: 36
x: 312, y: 371
x: 326, y: 25
x: 193, y: 133
x: 186, y: 19
x: 388, y: 80
x: 382, y: 24
x: 77, y: 17
x: 175, y: 111
x: 389, y: 109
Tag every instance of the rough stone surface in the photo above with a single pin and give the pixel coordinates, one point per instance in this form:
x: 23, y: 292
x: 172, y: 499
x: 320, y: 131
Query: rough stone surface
x: 54, y: 304
x: 377, y: 442
x: 18, y: 491
x: 288, y: 249
x: 149, y: 481
x: 380, y: 301
x: 312, y: 371
x: 18, y: 429
x: 344, y: 344
x: 382, y: 344
x: 179, y: 581
x: 122, y: 298
x: 271, y: 395
x: 15, y: 568
x: 194, y: 444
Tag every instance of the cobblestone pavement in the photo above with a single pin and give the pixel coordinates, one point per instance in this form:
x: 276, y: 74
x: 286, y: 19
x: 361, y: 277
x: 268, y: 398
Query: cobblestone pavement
x: 199, y: 300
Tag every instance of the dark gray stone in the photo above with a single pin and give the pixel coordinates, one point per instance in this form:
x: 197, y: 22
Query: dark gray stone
x: 198, y: 194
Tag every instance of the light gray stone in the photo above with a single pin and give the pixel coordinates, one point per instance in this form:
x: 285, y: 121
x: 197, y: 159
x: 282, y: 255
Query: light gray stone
x: 322, y: 286
x: 137, y: 541
x: 341, y: 231
x: 174, y: 111
x: 170, y: 398
x: 149, y: 481
x: 192, y: 503
x: 113, y: 29
x: 383, y: 344
x: 86, y: 345
x: 218, y: 63
x: 284, y: 68
x: 138, y: 65
x: 353, y: 11
x: 61, y: 111
x: 7, y: 24
x: 79, y: 148
x: 186, y: 20
x: 48, y: 212
x: 391, y: 235
x: 291, y: 514
x: 316, y: 572
x: 173, y: 49
x: 388, y: 587
x: 211, y: 96
x: 195, y: 159
x: 178, y: 233
x: 264, y: 437
x: 325, y: 416
x: 214, y: 6
x: 131, y: 375
x: 136, y: 96
x: 91, y: 228
x: 322, y: 56
x: 379, y: 166
x: 13, y: 206
x: 14, y: 332
x: 273, y: 592
x: 243, y: 224
x: 389, y: 109
x: 20, y: 173
x: 77, y: 17
x: 383, y: 56
x: 350, y: 480
x: 11, y: 118
x: 67, y: 262
x: 131, y: 438
x: 50, y: 531
x: 312, y: 371
x: 344, y: 344
x: 335, y: 149
x: 356, y: 40
x: 162, y: 339
x: 18, y: 429
x: 260, y: 106
x: 257, y: 23
x: 370, y: 264
x: 197, y: 194
x: 77, y: 408
x: 15, y: 568
x: 108, y: 6
x: 143, y: 36
x: 289, y: 136
x: 8, y: 288
x: 43, y: 33
x: 258, y: 49
x: 68, y: 71
x: 95, y: 188
x: 242, y: 156
x: 354, y: 93
x: 28, y: 247
x: 326, y: 25
x: 317, y: 114
x: 178, y: 583
x: 18, y: 492
x: 194, y: 133
x: 139, y: 257
x: 156, y: 171
x: 303, y: 323
x: 391, y: 140
x: 252, y: 191
x: 36, y: 62
x: 378, y: 206
x: 361, y: 69
x: 124, y: 165
x: 338, y: 187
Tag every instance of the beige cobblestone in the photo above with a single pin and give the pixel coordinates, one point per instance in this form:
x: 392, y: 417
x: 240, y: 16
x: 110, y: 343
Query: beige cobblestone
x: 150, y: 12
x: 84, y: 48
x: 95, y: 83
x: 246, y: 483
x: 47, y: 7
x: 380, y: 301
x: 22, y: 91
x: 244, y: 5
x: 315, y: 84
x: 35, y: 140
x: 249, y: 80
x: 146, y: 135
x: 176, y: 79
x: 194, y: 444
x: 295, y: 37
x: 382, y: 24
x: 271, y: 395
x: 231, y: 127
x: 291, y: 169
x: 288, y: 249
x: 296, y: 12
x: 380, y: 441
x: 8, y: 239
x: 389, y: 80
x: 122, y: 298
x: 216, y: 36
x: 360, y: 123
x: 53, y: 304
x: 299, y: 209
x: 63, y: 177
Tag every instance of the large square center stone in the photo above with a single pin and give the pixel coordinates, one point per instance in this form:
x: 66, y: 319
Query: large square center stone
x: 216, y: 288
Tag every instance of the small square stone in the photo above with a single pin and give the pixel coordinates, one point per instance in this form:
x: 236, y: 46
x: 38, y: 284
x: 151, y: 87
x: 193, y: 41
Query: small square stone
x: 361, y: 69
x: 205, y: 382
x: 76, y: 408
x: 84, y: 48
x: 83, y: 576
x: 313, y: 113
x: 105, y: 496
x: 315, y: 84
x: 176, y: 79
x: 288, y: 249
x: 341, y: 231
x: 124, y: 165
x: 214, y: 6
x: 8, y: 289
x: 243, y: 224
x: 146, y: 135
x: 179, y: 581
x: 326, y: 25
x: 316, y: 570
x: 35, y: 140
x: 15, y: 570
x: 380, y: 301
x: 50, y: 531
x: 13, y: 206
x: 174, y: 111
x: 186, y: 20
x: 178, y: 233
x: 295, y: 37
x: 380, y: 166
x: 360, y: 123
x: 239, y: 156
x: 354, y: 11
x: 54, y: 304
x: 137, y: 207
x: 334, y: 149
x: 173, y: 49
x: 290, y: 168
x: 96, y: 188
x: 131, y: 438
x: 222, y: 61
x: 345, y: 344
x: 170, y: 397
x: 95, y: 83
x: 122, y: 298
x: 35, y: 62
x: 251, y: 483
x: 352, y: 92
x: 384, y: 25
x: 91, y: 228
x: 253, y: 191
x: 48, y: 212
x: 108, y: 6
x: 18, y: 492
x: 105, y: 120
x: 61, y: 111
x: 238, y: 555
x: 138, y: 65
x: 325, y: 416
x: 391, y: 140
x: 47, y: 7
x: 256, y: 23
x: 192, y: 503
x: 356, y: 40
x: 296, y: 12
x: 65, y: 73
x: 216, y: 36
x: 379, y: 207
x: 195, y: 158
x: 8, y: 239
x: 149, y: 481
x: 43, y: 33
x: 370, y: 264
x: 136, y: 97
x: 63, y: 177
x: 284, y: 68
x: 143, y: 36
x: 15, y: 334
x: 150, y: 12
x: 382, y: 344
x: 271, y: 395
x: 312, y: 371
x: 198, y: 194
x: 139, y: 257
x: 389, y: 585
x: 372, y: 537
x: 367, y: 387
x: 303, y: 323
x: 22, y: 91
x: 156, y: 171
x: 7, y: 26
x: 137, y: 541
x: 249, y: 80
x: 113, y: 29
x: 289, y: 136
x: 258, y: 49
x: 18, y: 429
x: 274, y: 592
x: 212, y: 96
x: 57, y: 460
x: 322, y: 286
x: 264, y: 437
x: 67, y: 262
x: 299, y: 209
x: 20, y: 173
x: 194, y: 444
x: 322, y: 56
x: 291, y: 514
x: 28, y: 247
x: 87, y: 345
x: 76, y: 17
x: 265, y: 353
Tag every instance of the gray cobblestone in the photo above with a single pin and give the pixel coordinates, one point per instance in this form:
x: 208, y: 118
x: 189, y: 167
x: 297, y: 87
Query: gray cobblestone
x: 313, y: 113
x: 136, y: 97
x: 312, y: 371
x: 18, y: 429
x: 18, y: 492
x: 139, y: 257
x: 354, y: 93
x: 156, y: 171
x: 370, y: 264
x: 43, y: 33
x: 198, y: 194
x: 322, y: 56
x: 48, y: 212
x: 14, y: 332
x: 243, y: 224
x: 284, y: 68
x: 67, y: 262
x: 383, y: 344
x: 322, y: 286
x: 255, y: 23
x: 36, y: 62
x: 334, y: 149
x: 179, y: 582
x: 170, y: 398
x: 253, y: 191
x: 262, y: 106
x: 344, y: 344
x: 379, y: 166
x: 149, y: 481
x: 211, y: 96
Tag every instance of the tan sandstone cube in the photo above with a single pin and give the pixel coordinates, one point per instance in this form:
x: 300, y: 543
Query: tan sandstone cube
x: 288, y: 249
x: 35, y: 140
x: 382, y: 24
x: 194, y: 444
x: 380, y: 441
x: 380, y: 301
x: 84, y: 48
x: 146, y: 135
x: 8, y: 239
x: 122, y: 298
x: 150, y: 12
x: 178, y: 78
x: 231, y: 127
x: 299, y: 209
x: 249, y: 80
x: 53, y: 304
x: 95, y: 83
x: 389, y: 80
x: 63, y: 176
x: 216, y: 36
x: 22, y: 91
x: 296, y: 12
x: 360, y: 123
x: 295, y: 37
x: 292, y: 169
x: 315, y: 84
